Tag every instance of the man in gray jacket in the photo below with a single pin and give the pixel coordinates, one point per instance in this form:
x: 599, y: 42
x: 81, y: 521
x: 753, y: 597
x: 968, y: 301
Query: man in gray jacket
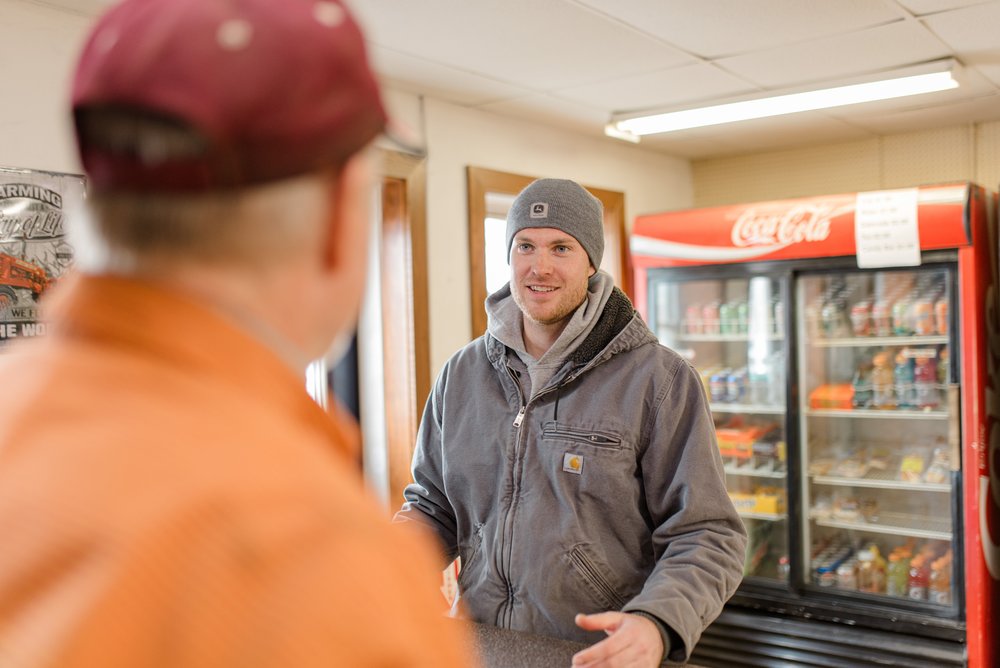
x: 570, y: 460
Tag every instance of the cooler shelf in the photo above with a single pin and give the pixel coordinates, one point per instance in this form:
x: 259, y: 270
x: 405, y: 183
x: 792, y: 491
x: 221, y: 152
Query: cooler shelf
x: 732, y: 467
x: 897, y: 524
x: 757, y: 409
x: 877, y: 414
x: 882, y: 480
x: 881, y: 341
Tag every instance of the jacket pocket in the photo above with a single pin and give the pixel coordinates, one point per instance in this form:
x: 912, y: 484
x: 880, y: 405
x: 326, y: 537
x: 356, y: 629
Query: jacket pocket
x: 596, y: 582
x: 600, y: 439
x: 475, y: 547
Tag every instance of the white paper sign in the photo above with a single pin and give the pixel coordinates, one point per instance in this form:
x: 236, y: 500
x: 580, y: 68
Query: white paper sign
x: 885, y: 228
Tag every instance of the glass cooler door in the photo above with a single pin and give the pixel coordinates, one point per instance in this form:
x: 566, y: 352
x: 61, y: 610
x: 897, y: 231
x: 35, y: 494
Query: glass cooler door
x: 879, y: 431
x: 731, y: 330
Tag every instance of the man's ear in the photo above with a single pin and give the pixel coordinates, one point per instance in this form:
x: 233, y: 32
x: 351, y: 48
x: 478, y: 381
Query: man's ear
x: 348, y: 193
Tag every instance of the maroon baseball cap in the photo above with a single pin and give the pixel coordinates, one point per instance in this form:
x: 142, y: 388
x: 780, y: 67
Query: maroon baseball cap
x: 274, y: 89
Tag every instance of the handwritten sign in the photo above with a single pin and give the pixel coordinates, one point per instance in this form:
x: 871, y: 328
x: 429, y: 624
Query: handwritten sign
x: 885, y: 228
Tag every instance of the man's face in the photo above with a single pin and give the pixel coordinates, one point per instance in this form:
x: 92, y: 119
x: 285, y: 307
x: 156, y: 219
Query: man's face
x: 548, y: 274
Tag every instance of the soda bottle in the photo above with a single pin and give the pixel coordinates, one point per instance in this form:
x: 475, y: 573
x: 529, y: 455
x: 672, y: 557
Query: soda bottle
x: 901, y: 317
x: 882, y: 318
x: 882, y: 382
x: 898, y: 573
x: 941, y: 315
x: 919, y: 579
x: 862, y: 384
x: 903, y: 377
x: 923, y: 316
x: 939, y: 588
x: 925, y: 383
x: 861, y: 318
x: 833, y: 318
x: 943, y: 369
x: 846, y: 574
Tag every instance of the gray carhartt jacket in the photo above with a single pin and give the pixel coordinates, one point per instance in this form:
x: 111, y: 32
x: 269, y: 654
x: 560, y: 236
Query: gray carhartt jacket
x: 604, y: 492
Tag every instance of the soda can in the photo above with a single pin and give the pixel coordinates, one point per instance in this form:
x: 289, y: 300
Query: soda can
x: 727, y: 318
x: 742, y: 317
x: 923, y: 317
x: 736, y: 383
x: 718, y: 386
x: 941, y: 315
x: 692, y: 319
x: 881, y: 318
x: 710, y: 317
x: 861, y: 318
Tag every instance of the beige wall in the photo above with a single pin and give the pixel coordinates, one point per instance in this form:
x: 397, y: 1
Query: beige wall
x: 958, y: 153
x: 39, y: 48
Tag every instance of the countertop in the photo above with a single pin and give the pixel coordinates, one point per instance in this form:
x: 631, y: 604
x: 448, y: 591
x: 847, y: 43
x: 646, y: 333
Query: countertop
x: 503, y: 648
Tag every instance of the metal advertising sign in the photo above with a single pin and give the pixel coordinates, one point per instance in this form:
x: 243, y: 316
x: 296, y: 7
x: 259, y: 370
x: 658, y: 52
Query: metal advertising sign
x: 34, y: 251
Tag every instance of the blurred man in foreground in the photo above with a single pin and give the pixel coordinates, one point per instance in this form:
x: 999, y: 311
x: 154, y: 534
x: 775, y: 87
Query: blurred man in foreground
x: 169, y: 493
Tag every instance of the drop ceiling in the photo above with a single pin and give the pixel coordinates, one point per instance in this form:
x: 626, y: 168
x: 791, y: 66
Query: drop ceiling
x: 574, y: 63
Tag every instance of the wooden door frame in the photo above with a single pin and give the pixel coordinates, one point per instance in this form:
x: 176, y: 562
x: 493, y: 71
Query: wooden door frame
x: 480, y: 181
x: 405, y: 337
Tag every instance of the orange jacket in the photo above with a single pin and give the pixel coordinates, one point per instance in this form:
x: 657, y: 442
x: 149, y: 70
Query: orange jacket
x: 171, y: 496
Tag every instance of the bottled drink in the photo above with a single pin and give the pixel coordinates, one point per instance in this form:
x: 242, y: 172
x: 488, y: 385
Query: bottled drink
x: 783, y: 567
x: 727, y: 318
x: 898, y: 575
x: 941, y: 315
x: 871, y: 571
x: 901, y: 317
x: 919, y: 579
x: 939, y: 587
x: 833, y: 318
x: 943, y: 369
x: 882, y: 382
x: 862, y: 384
x: 846, y: 575
x: 882, y: 318
x: 903, y: 377
x: 779, y: 317
x: 861, y: 318
x: 923, y: 316
x: 925, y: 383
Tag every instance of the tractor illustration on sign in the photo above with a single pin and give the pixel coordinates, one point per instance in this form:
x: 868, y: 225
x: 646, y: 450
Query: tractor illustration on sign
x: 16, y: 274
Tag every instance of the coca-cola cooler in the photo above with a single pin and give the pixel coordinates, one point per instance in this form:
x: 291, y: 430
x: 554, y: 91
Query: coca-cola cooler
x: 848, y: 347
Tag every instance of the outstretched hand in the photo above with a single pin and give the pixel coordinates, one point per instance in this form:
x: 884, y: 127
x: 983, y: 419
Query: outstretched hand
x: 633, y: 642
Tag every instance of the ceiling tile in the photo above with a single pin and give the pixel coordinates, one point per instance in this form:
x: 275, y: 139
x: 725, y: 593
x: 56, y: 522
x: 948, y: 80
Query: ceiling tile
x: 894, y: 45
x: 552, y: 110
x: 938, y: 116
x: 539, y: 44
x: 664, y: 88
x: 922, y: 7
x: 972, y: 32
x: 444, y: 81
x: 713, y: 28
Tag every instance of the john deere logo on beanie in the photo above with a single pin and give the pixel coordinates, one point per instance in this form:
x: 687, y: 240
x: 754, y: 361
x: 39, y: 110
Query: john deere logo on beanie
x: 564, y: 205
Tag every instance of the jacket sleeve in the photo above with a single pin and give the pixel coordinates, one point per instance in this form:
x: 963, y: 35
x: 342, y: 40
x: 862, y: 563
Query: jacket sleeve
x: 425, y: 499
x: 698, y: 538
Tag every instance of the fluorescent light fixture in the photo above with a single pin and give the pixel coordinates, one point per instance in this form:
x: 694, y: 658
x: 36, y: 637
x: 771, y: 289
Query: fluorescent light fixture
x: 941, y: 77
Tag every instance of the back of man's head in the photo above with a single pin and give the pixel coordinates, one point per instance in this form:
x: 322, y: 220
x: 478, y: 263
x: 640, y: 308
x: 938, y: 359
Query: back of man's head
x: 182, y: 107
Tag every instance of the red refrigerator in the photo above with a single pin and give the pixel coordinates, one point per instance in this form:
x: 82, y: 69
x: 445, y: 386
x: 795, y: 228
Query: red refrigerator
x: 849, y: 348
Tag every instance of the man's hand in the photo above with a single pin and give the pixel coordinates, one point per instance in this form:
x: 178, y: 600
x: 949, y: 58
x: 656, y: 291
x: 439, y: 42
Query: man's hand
x: 633, y: 641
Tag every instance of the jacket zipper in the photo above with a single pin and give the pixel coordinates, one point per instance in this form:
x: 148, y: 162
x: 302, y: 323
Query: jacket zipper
x: 506, y: 612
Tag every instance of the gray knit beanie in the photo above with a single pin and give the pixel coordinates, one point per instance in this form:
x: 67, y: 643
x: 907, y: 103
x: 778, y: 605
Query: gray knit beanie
x: 564, y: 205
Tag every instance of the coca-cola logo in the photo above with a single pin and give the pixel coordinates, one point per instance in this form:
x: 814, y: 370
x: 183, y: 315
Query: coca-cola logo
x: 803, y: 223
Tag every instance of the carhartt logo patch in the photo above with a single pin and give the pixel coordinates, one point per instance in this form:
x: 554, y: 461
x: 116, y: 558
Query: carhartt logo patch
x: 539, y: 210
x: 572, y: 463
